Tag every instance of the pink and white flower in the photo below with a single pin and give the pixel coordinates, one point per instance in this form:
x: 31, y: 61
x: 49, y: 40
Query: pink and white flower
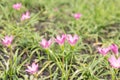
x: 114, y: 48
x: 46, y: 44
x: 17, y: 6
x: 103, y: 51
x: 72, y: 39
x: 25, y: 16
x: 60, y: 39
x: 33, y: 68
x: 7, y: 40
x: 114, y: 62
x: 77, y: 15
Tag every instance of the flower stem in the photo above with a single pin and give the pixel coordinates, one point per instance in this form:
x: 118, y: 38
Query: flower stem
x: 113, y: 74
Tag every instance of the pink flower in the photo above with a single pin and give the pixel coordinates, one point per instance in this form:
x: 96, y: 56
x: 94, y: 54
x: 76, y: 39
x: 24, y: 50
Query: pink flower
x: 77, y: 15
x: 103, y: 51
x: 17, y: 6
x: 114, y: 48
x: 115, y: 63
x: 45, y: 44
x: 7, y: 40
x: 72, y: 39
x: 60, y: 39
x: 25, y: 16
x: 32, y: 69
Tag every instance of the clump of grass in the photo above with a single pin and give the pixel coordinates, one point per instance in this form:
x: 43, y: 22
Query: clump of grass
x: 97, y: 27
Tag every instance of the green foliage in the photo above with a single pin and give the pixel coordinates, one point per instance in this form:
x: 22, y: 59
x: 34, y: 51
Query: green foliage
x: 98, y: 26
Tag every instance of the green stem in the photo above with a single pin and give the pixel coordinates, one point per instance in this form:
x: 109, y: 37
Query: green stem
x: 62, y: 48
x: 113, y: 74
x: 11, y: 53
x: 35, y: 76
x: 48, y: 55
x: 10, y: 62
x: 63, y: 60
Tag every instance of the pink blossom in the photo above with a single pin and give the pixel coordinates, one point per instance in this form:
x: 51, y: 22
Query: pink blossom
x: 114, y: 48
x: 45, y: 44
x: 103, y: 51
x: 77, y: 15
x: 7, y: 40
x: 25, y: 16
x: 60, y: 39
x: 115, y: 63
x: 17, y: 6
x: 32, y: 69
x: 72, y: 39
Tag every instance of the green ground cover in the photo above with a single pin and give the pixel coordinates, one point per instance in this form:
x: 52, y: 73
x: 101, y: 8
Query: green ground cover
x: 99, y: 26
